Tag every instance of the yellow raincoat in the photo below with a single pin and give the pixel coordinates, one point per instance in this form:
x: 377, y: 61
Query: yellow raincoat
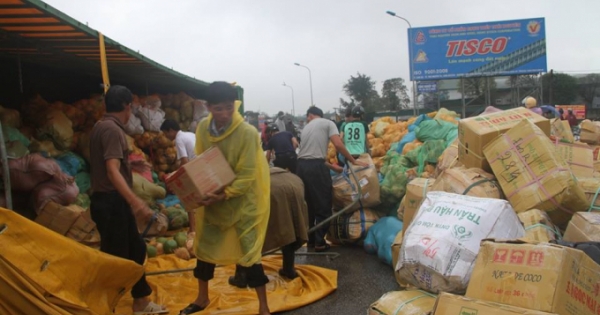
x: 233, y: 231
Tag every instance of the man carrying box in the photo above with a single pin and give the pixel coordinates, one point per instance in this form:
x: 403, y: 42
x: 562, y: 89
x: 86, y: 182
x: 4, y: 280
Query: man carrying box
x: 231, y: 224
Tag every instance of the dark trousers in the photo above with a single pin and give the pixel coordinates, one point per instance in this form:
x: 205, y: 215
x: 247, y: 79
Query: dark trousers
x: 318, y: 190
x: 255, y: 274
x: 286, y: 161
x: 119, y: 233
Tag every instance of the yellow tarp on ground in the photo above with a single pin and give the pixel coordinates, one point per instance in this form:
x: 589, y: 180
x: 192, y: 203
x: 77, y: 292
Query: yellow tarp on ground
x: 177, y: 290
x: 43, y: 272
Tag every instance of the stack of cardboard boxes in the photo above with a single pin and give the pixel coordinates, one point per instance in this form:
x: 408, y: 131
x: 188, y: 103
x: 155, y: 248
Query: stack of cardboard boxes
x: 551, y: 182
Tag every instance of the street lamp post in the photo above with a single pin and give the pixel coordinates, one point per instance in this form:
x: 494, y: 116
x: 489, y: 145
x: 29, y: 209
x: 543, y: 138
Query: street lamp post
x: 410, y: 55
x: 312, y: 103
x: 293, y: 107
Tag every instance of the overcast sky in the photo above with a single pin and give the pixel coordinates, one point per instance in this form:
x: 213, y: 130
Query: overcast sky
x: 257, y: 42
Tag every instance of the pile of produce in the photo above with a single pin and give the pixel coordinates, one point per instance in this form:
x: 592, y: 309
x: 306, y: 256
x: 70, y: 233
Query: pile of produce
x: 161, y: 151
x: 181, y: 244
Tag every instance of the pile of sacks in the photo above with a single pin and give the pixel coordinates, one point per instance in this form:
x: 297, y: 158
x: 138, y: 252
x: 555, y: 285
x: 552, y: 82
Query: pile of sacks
x: 490, y: 225
x: 149, y: 112
x: 53, y: 197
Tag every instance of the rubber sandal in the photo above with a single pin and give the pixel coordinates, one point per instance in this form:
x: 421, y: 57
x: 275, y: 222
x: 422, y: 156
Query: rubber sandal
x: 151, y: 309
x: 191, y: 309
x: 290, y: 275
x: 322, y: 248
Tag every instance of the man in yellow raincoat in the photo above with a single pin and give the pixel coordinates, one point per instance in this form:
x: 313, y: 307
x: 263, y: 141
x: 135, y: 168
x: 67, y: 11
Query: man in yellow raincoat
x: 231, y: 225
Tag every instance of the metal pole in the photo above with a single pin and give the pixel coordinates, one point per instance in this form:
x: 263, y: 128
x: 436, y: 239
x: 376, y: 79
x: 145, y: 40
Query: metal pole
x: 464, y: 107
x: 293, y: 106
x: 541, y: 89
x: 5, y: 171
x: 489, y: 93
x: 410, y: 55
x: 312, y: 102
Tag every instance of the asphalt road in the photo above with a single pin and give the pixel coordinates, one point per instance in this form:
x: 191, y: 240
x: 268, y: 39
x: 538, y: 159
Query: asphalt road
x: 362, y: 280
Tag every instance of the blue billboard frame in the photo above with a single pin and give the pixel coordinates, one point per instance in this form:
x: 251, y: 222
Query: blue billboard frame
x: 499, y: 48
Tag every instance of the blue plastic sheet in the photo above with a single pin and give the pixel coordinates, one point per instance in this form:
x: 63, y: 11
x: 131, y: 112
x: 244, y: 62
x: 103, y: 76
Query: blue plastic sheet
x: 70, y: 163
x: 169, y: 201
x: 381, y: 237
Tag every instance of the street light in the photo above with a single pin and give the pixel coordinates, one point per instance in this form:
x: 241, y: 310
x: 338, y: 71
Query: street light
x: 293, y: 108
x: 411, y: 58
x: 312, y: 103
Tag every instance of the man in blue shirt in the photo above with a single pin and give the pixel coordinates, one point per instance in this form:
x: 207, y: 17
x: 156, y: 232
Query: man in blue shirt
x: 284, y: 144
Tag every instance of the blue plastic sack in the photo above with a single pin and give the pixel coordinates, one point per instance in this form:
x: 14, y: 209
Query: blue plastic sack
x: 381, y: 237
x: 169, y: 201
x: 70, y: 163
x: 408, y: 138
x: 417, y: 122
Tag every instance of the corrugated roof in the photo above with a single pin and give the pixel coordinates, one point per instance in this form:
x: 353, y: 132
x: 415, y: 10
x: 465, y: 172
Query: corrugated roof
x: 37, y: 33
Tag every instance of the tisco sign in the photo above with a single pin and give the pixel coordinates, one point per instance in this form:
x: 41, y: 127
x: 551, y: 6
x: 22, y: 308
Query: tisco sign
x: 457, y: 48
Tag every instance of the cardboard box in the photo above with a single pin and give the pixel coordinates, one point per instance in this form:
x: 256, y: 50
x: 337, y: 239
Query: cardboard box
x: 440, y: 246
x: 207, y: 173
x: 579, y: 156
x: 449, y: 304
x: 538, y: 227
x: 471, y: 182
x: 395, y: 255
x: 591, y: 189
x: 403, y: 303
x: 589, y: 132
x: 562, y: 131
x: 532, y: 175
x: 584, y: 227
x: 475, y: 132
x: 345, y: 189
x: 543, y: 276
x: 71, y: 221
x: 415, y: 193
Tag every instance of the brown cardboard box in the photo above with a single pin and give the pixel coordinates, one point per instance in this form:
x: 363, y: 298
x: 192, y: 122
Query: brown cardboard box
x: 543, y: 276
x: 71, y: 221
x: 591, y: 189
x: 449, y: 304
x: 532, y: 175
x: 579, y: 156
x: 584, y: 227
x: 589, y: 132
x: 562, y: 131
x: 596, y: 157
x: 395, y: 255
x: 403, y: 303
x: 345, y: 189
x: 538, y: 227
x: 475, y: 132
x: 207, y: 173
x: 471, y: 182
x: 415, y: 194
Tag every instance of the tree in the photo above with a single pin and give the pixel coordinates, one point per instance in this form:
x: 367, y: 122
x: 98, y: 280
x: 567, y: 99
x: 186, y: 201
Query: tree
x: 361, y: 89
x: 564, y: 88
x: 589, y: 87
x: 394, y: 94
x: 344, y: 104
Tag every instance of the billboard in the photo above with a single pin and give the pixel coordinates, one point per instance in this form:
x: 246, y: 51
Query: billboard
x: 578, y: 110
x: 427, y: 87
x: 479, y: 49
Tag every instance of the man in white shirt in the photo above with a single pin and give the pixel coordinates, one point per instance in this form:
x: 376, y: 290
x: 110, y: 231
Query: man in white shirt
x: 184, y: 141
